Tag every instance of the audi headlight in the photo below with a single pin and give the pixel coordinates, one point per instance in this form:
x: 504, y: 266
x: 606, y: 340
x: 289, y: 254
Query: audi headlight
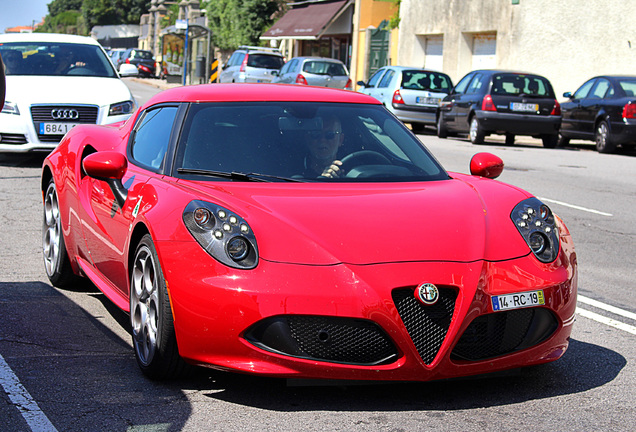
x: 10, y: 108
x: 223, y: 234
x: 537, y: 226
x: 121, y: 108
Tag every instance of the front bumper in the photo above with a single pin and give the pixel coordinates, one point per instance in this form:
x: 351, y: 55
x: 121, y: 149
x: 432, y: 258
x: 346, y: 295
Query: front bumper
x: 518, y: 124
x: 221, y: 315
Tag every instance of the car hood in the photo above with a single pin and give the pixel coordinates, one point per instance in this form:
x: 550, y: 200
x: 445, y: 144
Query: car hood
x: 28, y: 90
x: 463, y: 219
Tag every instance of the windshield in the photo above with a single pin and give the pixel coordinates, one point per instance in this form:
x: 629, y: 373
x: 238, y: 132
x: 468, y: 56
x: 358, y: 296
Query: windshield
x: 58, y: 59
x: 425, y: 80
x: 302, y: 140
x: 265, y: 61
x: 324, y: 68
x: 511, y: 84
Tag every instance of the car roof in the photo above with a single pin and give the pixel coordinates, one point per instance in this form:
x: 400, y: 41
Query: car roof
x: 47, y: 37
x: 403, y: 68
x: 253, y: 92
x: 316, y: 58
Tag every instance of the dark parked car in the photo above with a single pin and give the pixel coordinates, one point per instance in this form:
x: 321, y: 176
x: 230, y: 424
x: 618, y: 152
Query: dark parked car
x: 511, y: 103
x: 143, y: 59
x: 601, y: 110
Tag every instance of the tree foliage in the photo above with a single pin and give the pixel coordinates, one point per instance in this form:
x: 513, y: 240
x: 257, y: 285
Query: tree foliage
x: 240, y: 22
x: 79, y: 16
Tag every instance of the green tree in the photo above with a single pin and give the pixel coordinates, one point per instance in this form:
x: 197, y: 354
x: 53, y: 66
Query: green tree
x: 240, y: 22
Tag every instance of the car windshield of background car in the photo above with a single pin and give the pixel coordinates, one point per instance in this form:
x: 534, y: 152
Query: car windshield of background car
x: 265, y: 61
x: 423, y: 80
x: 628, y: 86
x: 324, y: 68
x: 515, y: 84
x: 57, y: 59
x: 272, y: 138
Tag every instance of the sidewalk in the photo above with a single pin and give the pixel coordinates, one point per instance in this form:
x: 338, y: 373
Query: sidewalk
x: 155, y: 82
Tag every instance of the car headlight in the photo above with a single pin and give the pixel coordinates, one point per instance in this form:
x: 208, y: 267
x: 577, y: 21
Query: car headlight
x: 10, y: 108
x: 121, y: 108
x: 223, y: 234
x: 537, y: 226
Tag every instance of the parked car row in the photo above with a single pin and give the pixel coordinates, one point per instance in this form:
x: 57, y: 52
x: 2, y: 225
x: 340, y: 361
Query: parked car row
x: 134, y: 62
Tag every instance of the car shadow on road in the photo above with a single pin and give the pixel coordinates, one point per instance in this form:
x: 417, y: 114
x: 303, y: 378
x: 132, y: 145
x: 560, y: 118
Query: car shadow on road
x: 23, y: 160
x: 585, y: 366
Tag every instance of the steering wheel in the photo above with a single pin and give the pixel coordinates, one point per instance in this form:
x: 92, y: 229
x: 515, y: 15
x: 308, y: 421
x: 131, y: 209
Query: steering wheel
x: 366, y: 157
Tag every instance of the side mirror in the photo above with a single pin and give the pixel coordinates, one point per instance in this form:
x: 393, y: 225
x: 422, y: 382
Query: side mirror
x: 276, y: 73
x: 362, y: 83
x: 486, y: 165
x: 110, y: 167
x: 567, y: 95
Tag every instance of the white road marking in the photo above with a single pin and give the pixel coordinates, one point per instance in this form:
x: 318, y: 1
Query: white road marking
x: 609, y: 308
x: 576, y: 207
x: 20, y: 397
x: 607, y: 321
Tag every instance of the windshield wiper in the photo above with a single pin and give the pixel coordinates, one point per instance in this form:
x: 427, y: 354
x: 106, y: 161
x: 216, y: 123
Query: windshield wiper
x: 238, y: 176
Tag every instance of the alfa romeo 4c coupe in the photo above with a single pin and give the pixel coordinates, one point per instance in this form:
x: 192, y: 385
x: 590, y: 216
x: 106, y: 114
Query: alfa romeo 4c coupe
x: 303, y: 232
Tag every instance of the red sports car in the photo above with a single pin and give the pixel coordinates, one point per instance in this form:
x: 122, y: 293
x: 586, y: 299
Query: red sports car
x: 304, y: 232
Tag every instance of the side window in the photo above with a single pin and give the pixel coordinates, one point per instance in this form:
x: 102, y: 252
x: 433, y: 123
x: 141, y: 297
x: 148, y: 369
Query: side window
x: 460, y: 88
x: 292, y: 66
x: 582, y: 92
x: 376, y: 77
x: 476, y: 83
x: 285, y: 68
x: 386, y: 79
x: 152, y: 135
x: 600, y: 89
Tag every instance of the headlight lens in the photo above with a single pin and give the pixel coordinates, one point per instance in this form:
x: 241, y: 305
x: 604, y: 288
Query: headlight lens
x: 537, y: 226
x: 10, y: 108
x: 121, y: 108
x: 223, y: 234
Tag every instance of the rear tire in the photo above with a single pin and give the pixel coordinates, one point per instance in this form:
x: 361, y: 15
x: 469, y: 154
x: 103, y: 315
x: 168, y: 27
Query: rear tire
x: 151, y: 319
x: 604, y: 143
x: 476, y: 133
x: 510, y: 139
x: 56, y: 261
x: 442, y: 132
x: 550, y: 141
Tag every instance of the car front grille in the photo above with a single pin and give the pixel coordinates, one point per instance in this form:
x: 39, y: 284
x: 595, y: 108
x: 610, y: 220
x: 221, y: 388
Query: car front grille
x: 500, y: 333
x: 427, y: 325
x: 13, y: 139
x: 324, y: 338
x: 43, y: 114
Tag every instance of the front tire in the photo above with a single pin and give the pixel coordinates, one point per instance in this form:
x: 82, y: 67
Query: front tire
x: 510, y: 139
x: 604, y: 143
x: 476, y: 132
x: 442, y: 132
x: 151, y: 317
x: 56, y: 261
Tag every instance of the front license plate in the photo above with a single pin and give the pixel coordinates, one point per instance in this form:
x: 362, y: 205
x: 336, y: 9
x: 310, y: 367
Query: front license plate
x: 518, y: 300
x: 525, y: 107
x: 426, y: 100
x: 56, y: 128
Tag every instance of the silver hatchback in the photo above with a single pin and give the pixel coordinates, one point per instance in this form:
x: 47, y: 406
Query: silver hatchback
x: 252, y: 64
x: 315, y: 71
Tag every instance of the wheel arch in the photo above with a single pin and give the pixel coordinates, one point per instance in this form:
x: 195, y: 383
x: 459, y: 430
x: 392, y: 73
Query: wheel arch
x: 139, y: 231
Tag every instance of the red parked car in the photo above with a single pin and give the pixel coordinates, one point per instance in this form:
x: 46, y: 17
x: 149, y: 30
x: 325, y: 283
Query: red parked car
x: 218, y: 219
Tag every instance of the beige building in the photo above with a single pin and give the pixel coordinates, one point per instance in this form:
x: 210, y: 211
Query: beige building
x: 566, y: 41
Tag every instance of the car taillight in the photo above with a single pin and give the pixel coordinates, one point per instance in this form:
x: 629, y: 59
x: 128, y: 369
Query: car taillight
x: 557, y: 108
x: 487, y: 104
x: 349, y: 85
x: 242, y: 69
x: 397, y: 98
x: 300, y: 79
x: 629, y: 110
x: 127, y: 61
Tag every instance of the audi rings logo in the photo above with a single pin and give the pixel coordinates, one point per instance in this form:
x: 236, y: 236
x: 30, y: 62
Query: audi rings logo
x: 427, y: 293
x: 64, y: 114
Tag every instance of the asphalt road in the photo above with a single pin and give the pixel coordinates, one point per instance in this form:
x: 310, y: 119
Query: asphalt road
x: 66, y: 361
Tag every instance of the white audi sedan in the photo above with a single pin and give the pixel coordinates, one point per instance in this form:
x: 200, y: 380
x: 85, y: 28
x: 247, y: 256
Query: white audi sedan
x: 55, y: 82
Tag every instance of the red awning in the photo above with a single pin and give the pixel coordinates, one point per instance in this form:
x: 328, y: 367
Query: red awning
x: 307, y: 20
